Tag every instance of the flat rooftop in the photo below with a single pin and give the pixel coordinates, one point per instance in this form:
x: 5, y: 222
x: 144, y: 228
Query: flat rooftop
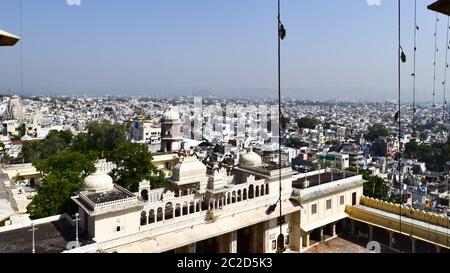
x: 112, y: 195
x: 322, y: 178
x: 51, y: 237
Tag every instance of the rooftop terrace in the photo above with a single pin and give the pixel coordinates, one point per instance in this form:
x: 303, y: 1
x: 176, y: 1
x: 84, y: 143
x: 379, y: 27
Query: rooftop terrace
x: 319, y: 178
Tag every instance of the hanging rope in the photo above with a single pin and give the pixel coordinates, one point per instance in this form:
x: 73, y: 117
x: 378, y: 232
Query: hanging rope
x: 434, y: 65
x: 281, y: 36
x: 401, y: 58
x: 447, y: 47
x: 21, y: 45
x: 416, y: 28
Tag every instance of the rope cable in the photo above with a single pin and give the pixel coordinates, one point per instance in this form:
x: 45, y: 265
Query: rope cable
x: 281, y: 35
x: 401, y: 58
x: 434, y: 66
x: 416, y: 27
x: 447, y: 47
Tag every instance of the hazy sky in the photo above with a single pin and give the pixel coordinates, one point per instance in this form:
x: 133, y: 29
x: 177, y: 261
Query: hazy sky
x: 333, y: 49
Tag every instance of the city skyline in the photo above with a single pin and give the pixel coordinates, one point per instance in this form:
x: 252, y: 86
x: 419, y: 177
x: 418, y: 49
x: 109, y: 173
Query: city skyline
x: 340, y: 52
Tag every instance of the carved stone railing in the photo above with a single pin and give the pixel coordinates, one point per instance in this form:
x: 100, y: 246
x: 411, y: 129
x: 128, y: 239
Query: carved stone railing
x: 415, y: 214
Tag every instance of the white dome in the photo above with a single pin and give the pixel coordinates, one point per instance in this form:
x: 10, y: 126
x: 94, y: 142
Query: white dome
x: 250, y: 159
x: 189, y: 168
x: 98, y: 182
x: 170, y: 114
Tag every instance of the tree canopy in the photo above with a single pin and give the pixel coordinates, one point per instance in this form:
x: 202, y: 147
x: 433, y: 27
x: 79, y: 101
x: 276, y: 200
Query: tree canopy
x: 377, y: 131
x: 133, y: 161
x: 307, y: 122
x: 435, y: 156
x: 65, y: 160
x: 53, y: 197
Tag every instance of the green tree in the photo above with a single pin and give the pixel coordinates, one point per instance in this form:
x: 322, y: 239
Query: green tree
x: 134, y: 164
x: 376, y: 188
x: 105, y: 137
x: 63, y: 176
x: 411, y: 149
x: 297, y: 143
x: 53, y: 197
x: 54, y: 143
x: 377, y: 131
x: 74, y: 166
x: 307, y: 122
x: 22, y: 130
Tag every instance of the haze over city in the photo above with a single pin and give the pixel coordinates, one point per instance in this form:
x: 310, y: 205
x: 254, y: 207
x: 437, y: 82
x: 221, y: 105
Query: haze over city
x: 334, y: 49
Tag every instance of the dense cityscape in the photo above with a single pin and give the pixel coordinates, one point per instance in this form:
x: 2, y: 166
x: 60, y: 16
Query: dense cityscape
x: 225, y: 172
x: 48, y: 140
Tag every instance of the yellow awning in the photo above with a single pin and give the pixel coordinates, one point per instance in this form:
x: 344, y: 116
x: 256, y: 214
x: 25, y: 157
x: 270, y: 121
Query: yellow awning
x: 7, y: 39
x: 441, y: 6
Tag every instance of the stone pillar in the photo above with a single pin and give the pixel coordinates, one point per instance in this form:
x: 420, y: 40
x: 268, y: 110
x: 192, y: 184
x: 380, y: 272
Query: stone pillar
x: 334, y: 229
x: 438, y: 249
x: 254, y: 239
x: 301, y: 243
x: 413, y: 245
x: 370, y: 233
x: 307, y: 239
x: 322, y: 238
x: 192, y: 248
x: 391, y: 236
x: 233, y: 242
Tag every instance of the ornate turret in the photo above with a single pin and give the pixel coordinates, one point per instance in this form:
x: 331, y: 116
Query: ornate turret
x: 171, y: 137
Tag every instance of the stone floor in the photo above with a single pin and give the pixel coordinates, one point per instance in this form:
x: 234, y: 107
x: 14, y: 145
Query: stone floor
x: 337, y: 245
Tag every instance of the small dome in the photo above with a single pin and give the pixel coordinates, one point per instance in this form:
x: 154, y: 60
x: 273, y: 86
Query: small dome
x: 170, y: 114
x: 250, y: 159
x: 189, y: 168
x: 98, y: 182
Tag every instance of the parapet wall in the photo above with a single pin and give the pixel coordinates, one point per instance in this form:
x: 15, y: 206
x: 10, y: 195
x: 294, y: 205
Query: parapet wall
x: 416, y: 214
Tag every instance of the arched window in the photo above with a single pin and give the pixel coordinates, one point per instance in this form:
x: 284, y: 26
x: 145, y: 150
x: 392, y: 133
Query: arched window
x: 159, y: 216
x: 267, y: 189
x: 144, y: 195
x: 257, y: 191
x: 191, y: 207
x: 177, y: 210
x: 118, y: 228
x: 143, y: 218
x: 185, y: 208
x: 239, y: 196
x: 262, y: 190
x: 244, y: 197
x: 250, y: 192
x: 233, y: 197
x: 228, y: 198
x: 168, y: 211
x: 151, y: 216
